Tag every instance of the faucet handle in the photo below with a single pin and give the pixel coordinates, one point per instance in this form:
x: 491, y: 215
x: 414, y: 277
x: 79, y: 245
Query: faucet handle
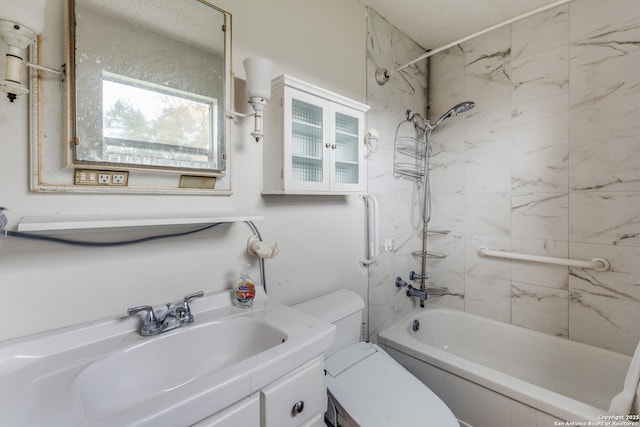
x: 192, y: 296
x: 416, y: 276
x: 400, y: 283
x: 149, y: 318
x: 186, y: 315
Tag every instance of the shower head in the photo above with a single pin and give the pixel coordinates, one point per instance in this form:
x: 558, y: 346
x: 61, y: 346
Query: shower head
x: 425, y: 125
x: 463, y: 107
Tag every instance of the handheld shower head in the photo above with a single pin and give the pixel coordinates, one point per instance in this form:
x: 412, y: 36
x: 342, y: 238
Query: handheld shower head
x: 463, y: 107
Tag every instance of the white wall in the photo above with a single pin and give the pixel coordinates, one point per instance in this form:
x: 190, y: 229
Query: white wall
x: 46, y: 286
x: 400, y: 223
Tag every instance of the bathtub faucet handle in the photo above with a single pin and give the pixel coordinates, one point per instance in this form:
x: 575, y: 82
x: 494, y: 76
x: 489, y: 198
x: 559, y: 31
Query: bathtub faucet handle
x: 400, y: 283
x: 416, y: 276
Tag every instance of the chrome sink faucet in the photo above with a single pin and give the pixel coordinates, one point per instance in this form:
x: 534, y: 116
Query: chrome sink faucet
x: 175, y: 316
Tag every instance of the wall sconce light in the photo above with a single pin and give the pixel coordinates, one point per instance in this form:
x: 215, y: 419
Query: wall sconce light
x: 20, y: 23
x: 258, y: 73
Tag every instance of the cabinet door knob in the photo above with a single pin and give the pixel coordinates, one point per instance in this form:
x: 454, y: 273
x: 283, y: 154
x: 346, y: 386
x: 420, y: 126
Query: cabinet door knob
x: 327, y: 145
x: 298, y: 407
x: 333, y: 147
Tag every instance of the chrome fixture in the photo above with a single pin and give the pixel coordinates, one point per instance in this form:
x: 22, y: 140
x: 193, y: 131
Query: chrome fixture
x: 175, y: 316
x: 415, y: 276
x: 429, y: 254
x: 400, y: 283
x: 425, y: 125
x: 410, y: 154
x: 411, y: 161
x: 415, y: 325
x: 463, y: 107
x: 420, y: 293
x: 411, y: 291
x: 442, y: 232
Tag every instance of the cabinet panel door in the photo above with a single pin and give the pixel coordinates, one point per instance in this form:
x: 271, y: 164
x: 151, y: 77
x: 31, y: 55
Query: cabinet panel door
x: 347, y: 149
x: 296, y: 398
x: 317, y: 421
x: 245, y: 413
x: 306, y: 146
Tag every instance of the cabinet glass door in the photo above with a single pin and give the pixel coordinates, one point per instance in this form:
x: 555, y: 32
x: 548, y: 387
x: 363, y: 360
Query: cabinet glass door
x: 348, y: 157
x: 307, y: 142
x: 346, y: 152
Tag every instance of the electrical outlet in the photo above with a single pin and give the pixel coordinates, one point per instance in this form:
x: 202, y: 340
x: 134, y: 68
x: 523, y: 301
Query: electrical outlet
x: 118, y: 178
x: 100, y: 178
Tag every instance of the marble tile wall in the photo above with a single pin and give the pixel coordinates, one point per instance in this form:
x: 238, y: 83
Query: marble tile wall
x: 547, y: 163
x: 399, y: 222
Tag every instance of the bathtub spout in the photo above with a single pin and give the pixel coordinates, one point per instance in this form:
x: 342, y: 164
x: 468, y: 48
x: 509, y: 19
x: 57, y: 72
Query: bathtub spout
x: 415, y: 292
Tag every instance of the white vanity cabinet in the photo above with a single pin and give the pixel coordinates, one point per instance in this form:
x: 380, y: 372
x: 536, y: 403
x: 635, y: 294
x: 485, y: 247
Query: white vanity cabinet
x: 298, y: 399
x: 251, y: 367
x: 314, y: 141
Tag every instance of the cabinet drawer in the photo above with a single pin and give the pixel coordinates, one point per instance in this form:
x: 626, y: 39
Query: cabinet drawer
x: 245, y: 413
x: 295, y: 398
x: 316, y: 421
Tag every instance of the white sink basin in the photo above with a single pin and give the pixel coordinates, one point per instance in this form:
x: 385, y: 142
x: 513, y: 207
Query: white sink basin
x: 106, y: 374
x: 171, y: 360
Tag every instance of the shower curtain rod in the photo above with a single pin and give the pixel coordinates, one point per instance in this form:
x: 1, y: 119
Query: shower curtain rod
x: 383, y: 75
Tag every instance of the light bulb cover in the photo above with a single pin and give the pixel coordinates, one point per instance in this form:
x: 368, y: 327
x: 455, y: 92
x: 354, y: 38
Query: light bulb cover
x: 258, y: 73
x: 27, y: 13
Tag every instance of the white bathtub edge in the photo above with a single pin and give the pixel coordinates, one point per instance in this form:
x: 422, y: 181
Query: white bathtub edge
x: 396, y: 337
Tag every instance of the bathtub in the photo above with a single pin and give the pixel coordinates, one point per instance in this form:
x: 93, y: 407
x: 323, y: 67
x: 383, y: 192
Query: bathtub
x: 492, y: 374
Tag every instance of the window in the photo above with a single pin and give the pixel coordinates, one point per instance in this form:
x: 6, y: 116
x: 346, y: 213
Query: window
x: 146, y: 123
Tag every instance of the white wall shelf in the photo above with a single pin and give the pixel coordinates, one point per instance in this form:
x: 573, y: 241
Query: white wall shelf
x: 61, y: 223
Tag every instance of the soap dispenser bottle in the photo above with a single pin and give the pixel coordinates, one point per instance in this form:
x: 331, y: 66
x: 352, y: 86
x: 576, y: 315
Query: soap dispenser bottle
x: 244, y: 291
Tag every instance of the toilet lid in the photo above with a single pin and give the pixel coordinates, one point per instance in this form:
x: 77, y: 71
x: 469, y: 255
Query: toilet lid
x: 376, y: 391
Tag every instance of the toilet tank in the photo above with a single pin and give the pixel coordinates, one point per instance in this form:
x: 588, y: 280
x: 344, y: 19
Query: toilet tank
x: 343, y: 308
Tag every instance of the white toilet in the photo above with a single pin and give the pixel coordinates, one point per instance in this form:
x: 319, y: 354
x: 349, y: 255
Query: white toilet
x: 366, y: 387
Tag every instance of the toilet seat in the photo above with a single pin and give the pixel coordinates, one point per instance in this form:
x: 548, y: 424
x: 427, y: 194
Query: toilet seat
x: 370, y: 389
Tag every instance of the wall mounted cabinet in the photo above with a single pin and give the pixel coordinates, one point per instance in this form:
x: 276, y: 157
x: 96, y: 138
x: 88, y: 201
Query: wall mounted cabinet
x: 314, y: 141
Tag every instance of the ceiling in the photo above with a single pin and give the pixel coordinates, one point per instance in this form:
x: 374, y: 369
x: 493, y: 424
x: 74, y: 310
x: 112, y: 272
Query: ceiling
x: 434, y: 23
